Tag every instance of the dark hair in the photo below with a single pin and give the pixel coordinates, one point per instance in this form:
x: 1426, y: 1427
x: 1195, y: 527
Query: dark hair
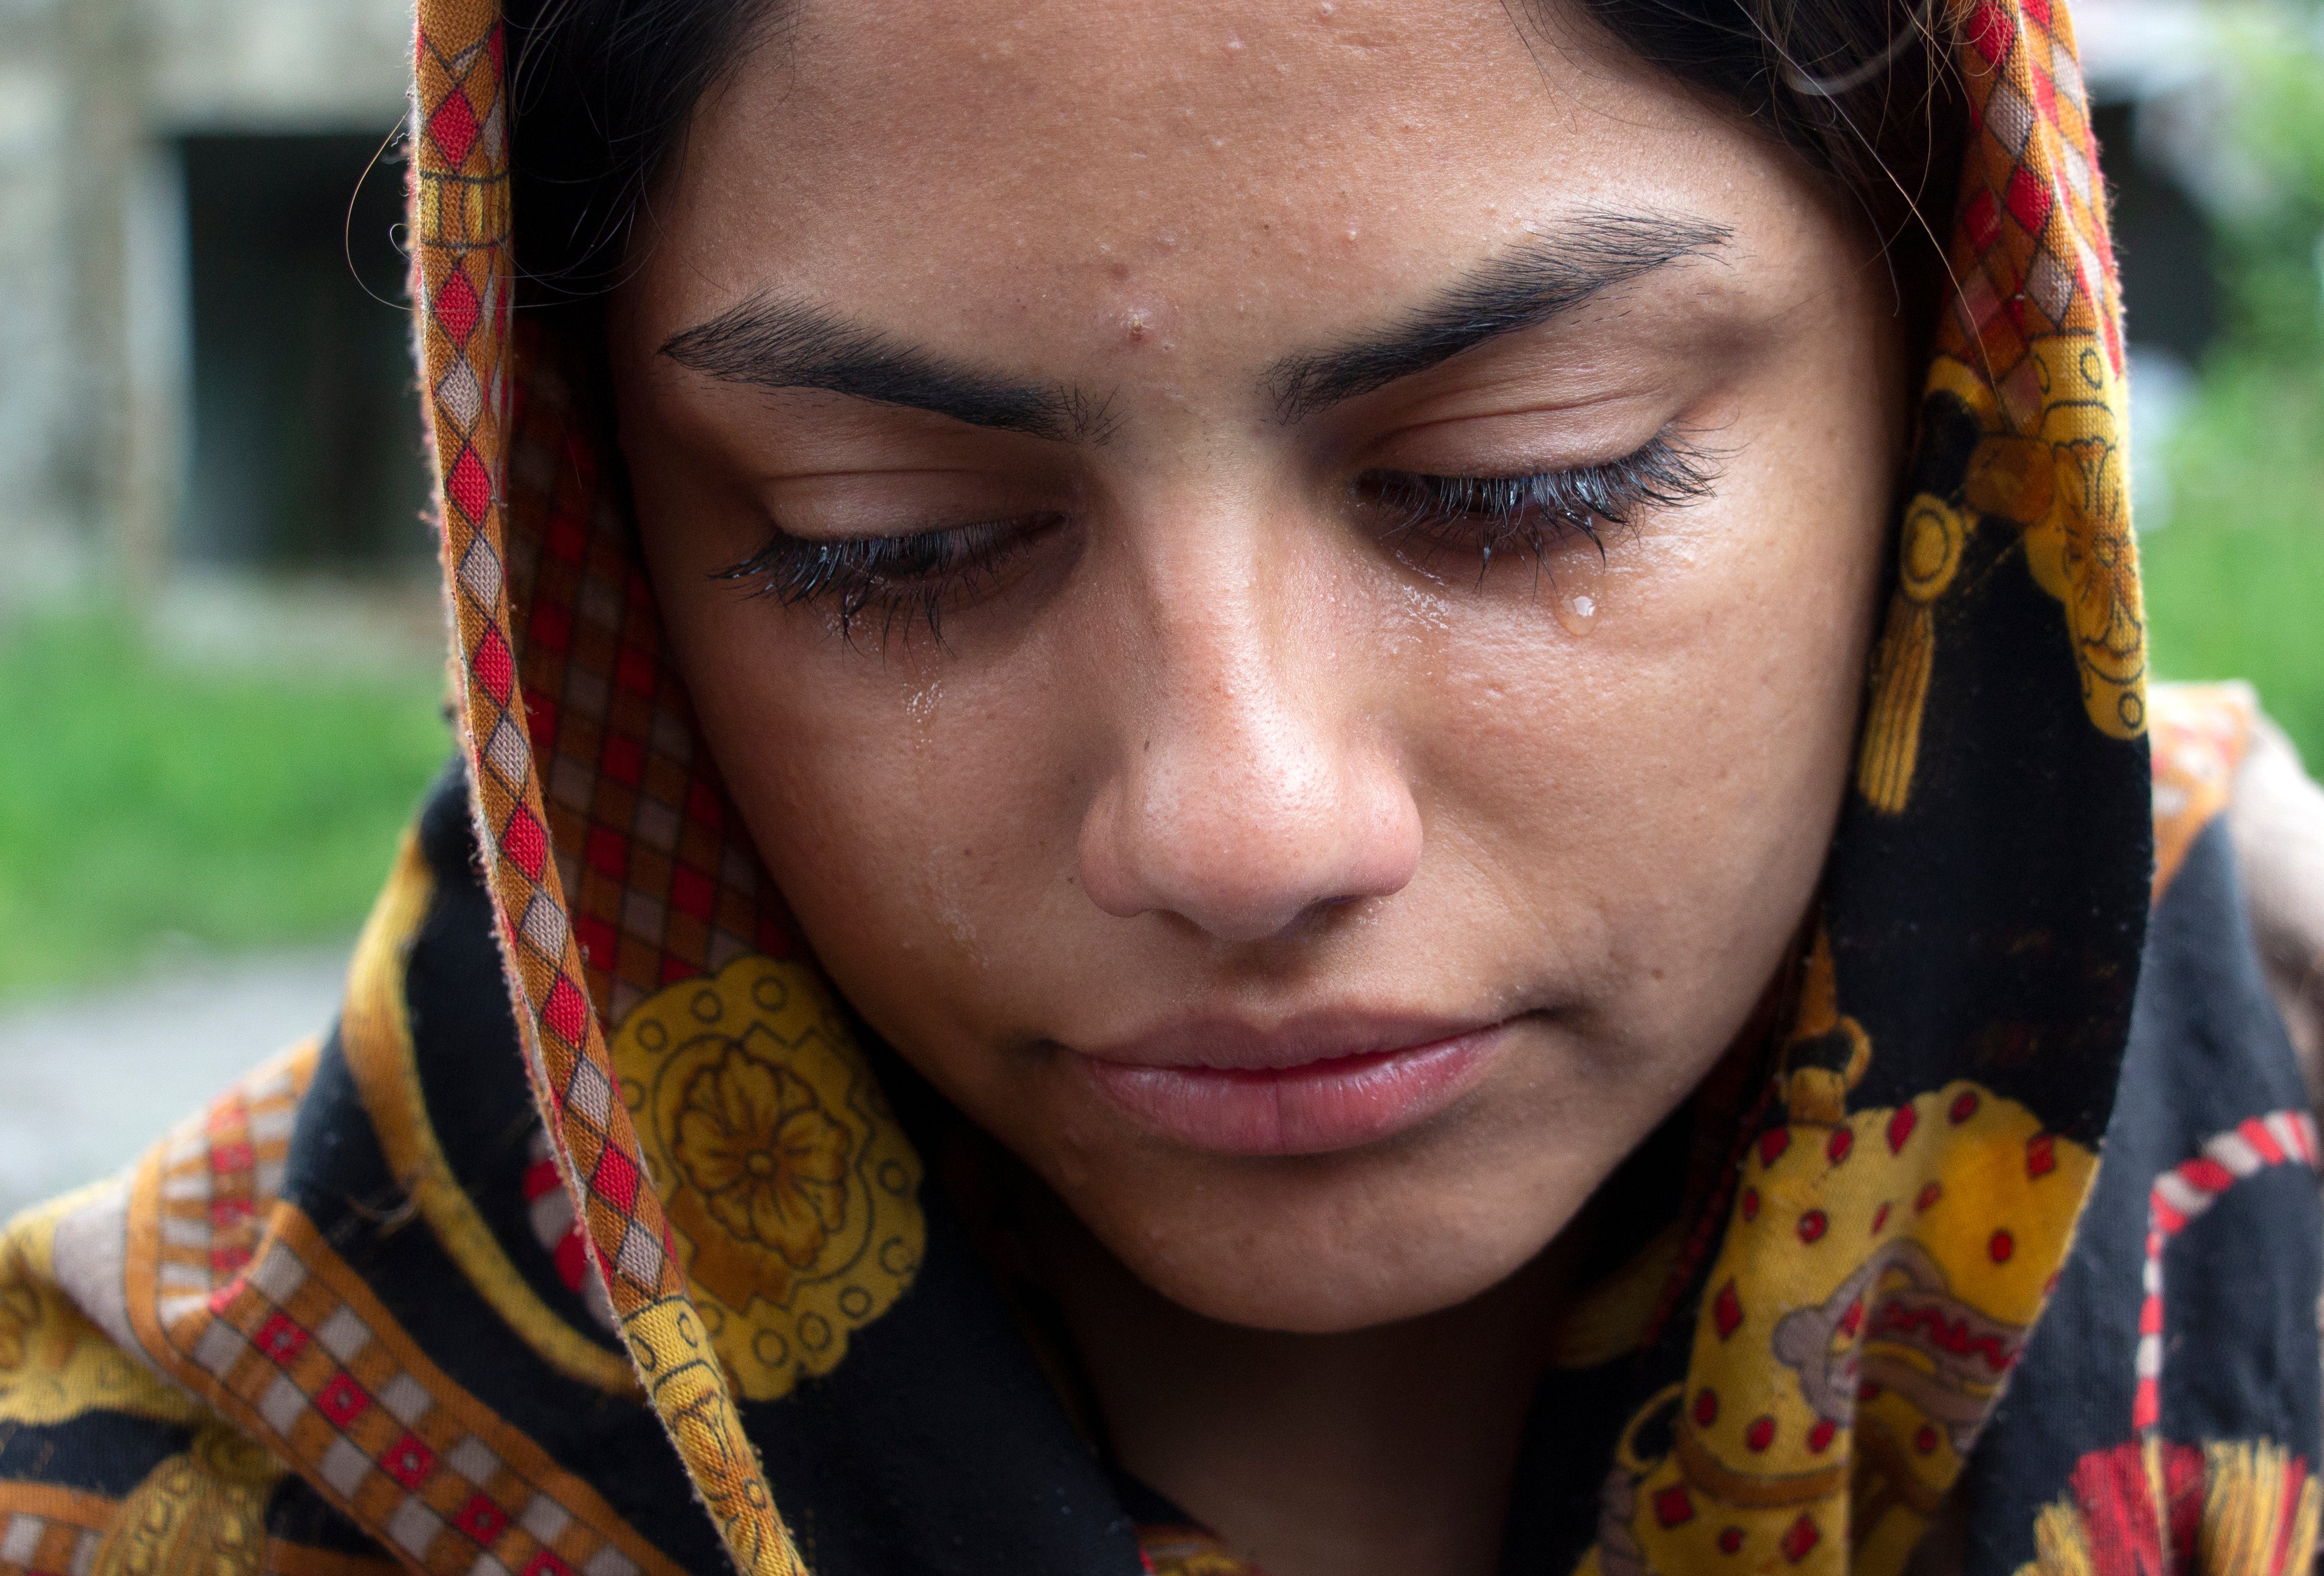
x: 601, y: 92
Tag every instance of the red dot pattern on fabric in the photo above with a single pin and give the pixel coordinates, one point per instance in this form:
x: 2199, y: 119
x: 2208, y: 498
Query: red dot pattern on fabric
x: 481, y: 1519
x: 1726, y: 1311
x: 1900, y: 1128
x: 409, y: 1461
x: 342, y: 1400
x: 282, y: 1339
x: 1801, y: 1539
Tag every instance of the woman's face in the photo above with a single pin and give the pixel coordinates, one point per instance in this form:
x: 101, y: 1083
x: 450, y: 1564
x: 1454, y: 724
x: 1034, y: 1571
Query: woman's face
x: 1320, y: 562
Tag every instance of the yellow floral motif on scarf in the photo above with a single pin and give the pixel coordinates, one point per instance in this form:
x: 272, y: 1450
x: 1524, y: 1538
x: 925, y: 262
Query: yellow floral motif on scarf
x: 1876, y: 1284
x: 794, y: 1194
x: 203, y: 1510
x: 2065, y: 485
x: 54, y: 1364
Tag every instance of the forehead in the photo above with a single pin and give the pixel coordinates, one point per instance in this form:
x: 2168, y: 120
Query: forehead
x: 1306, y: 158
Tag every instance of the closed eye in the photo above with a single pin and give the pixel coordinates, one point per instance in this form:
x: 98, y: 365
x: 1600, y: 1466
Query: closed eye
x: 911, y: 579
x: 1531, y: 514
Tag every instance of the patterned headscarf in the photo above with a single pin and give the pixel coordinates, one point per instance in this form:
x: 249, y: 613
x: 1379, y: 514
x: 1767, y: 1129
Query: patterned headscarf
x: 1871, y: 1312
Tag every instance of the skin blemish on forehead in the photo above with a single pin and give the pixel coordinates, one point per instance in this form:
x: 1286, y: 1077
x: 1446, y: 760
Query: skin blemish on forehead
x: 1146, y: 323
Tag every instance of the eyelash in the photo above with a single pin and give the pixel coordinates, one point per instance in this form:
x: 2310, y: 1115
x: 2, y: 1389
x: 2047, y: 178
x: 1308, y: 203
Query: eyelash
x: 1530, y: 515
x: 910, y: 579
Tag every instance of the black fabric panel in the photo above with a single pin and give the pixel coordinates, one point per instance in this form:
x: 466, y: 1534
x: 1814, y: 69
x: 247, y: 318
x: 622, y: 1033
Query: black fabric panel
x: 938, y: 1447
x: 1973, y: 936
x: 1567, y: 1450
x: 470, y: 1061
x: 296, y: 1514
x: 2240, y: 1282
x: 99, y: 1451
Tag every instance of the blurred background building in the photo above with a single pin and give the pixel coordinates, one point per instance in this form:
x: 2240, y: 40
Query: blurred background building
x: 202, y: 353
x: 220, y: 667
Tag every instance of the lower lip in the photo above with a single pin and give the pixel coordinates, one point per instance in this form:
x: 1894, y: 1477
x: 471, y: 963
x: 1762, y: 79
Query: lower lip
x: 1310, y: 1109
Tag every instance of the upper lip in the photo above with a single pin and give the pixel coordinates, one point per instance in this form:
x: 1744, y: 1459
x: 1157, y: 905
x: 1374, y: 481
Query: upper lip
x: 1226, y: 1043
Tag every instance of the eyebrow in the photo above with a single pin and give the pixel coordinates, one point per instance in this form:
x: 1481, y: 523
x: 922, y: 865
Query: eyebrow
x: 775, y: 344
x: 771, y: 343
x: 1550, y: 276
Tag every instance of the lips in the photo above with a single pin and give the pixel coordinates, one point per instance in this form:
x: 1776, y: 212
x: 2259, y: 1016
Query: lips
x: 1309, y: 1087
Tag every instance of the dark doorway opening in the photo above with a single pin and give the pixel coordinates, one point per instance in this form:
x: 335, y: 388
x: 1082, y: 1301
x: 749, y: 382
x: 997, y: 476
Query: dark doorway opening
x: 2162, y: 243
x: 305, y: 449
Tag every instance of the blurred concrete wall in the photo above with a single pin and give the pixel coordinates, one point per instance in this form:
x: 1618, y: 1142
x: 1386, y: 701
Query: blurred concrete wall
x: 94, y: 95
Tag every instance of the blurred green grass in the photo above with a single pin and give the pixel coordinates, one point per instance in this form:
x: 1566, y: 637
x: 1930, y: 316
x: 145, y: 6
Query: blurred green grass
x: 2234, y: 579
x: 145, y: 802
x: 2234, y: 582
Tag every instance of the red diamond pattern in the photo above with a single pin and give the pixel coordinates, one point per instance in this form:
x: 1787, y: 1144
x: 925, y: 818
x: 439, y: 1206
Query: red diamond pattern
x: 468, y: 486
x: 453, y: 127
x: 566, y: 1012
x: 456, y: 305
x: 616, y: 1180
x: 525, y: 843
x: 493, y: 666
x: 2029, y: 201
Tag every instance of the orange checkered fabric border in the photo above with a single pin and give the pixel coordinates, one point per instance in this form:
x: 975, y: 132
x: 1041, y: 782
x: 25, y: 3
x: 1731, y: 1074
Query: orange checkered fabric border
x: 629, y: 878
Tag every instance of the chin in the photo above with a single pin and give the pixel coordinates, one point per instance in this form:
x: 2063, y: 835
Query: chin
x: 1316, y: 1246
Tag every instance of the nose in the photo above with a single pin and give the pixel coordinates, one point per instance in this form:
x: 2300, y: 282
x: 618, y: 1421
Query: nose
x: 1248, y: 789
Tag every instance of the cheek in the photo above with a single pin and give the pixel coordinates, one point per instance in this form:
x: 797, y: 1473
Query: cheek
x: 1656, y: 797
x: 906, y: 806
